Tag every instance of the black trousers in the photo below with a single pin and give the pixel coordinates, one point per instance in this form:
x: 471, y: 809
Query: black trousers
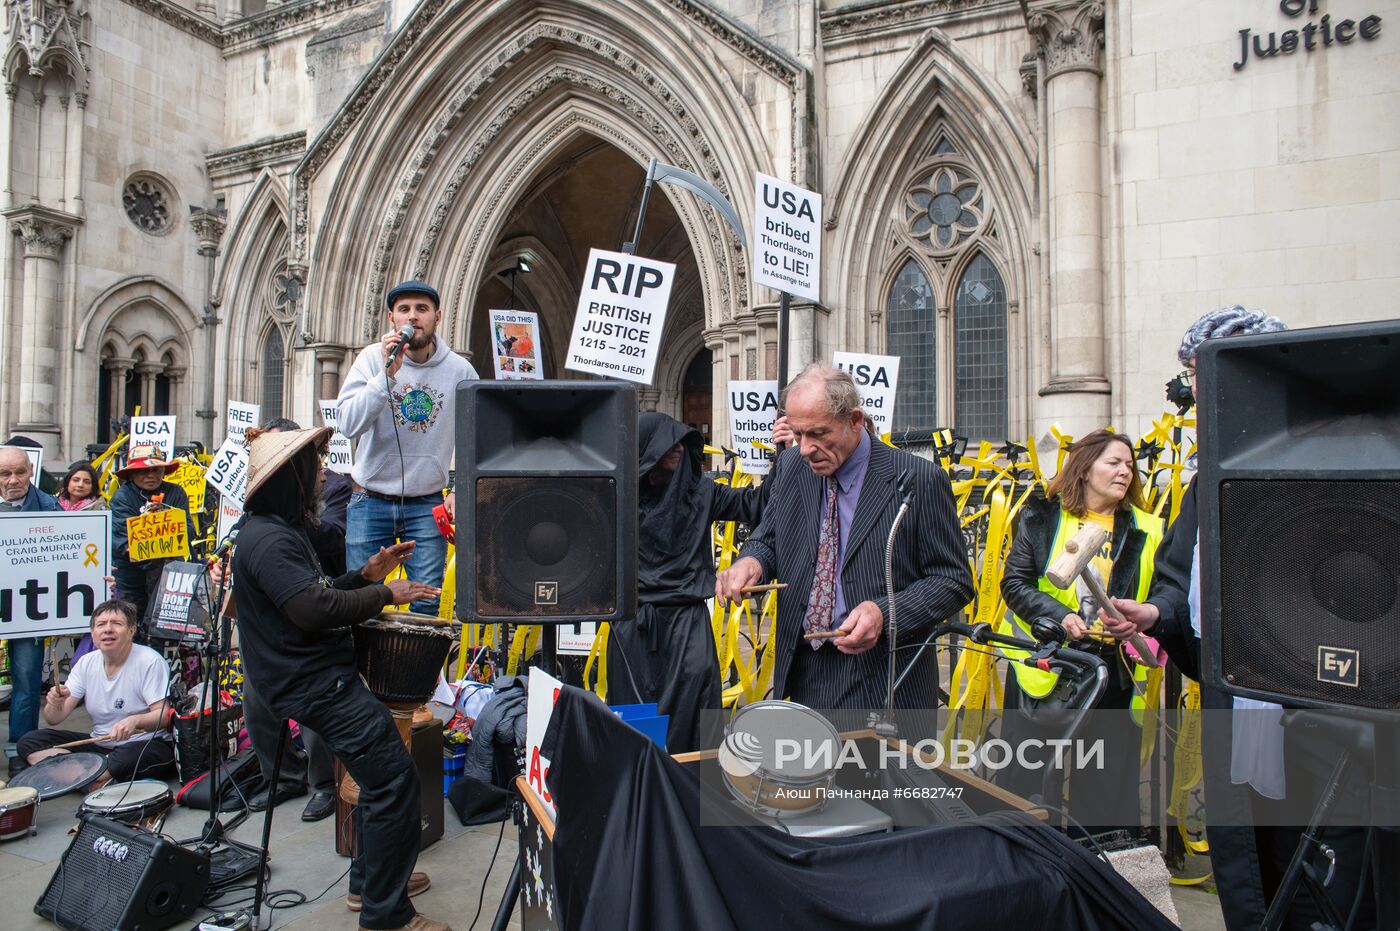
x: 316, y: 768
x: 360, y: 732
x: 131, y: 760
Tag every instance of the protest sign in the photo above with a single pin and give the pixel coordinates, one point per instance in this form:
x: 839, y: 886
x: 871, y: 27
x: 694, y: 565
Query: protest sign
x: 36, y: 458
x: 178, y: 609
x: 338, y: 455
x: 876, y: 378
x: 576, y: 639
x: 154, y: 431
x: 539, y: 707
x: 53, y: 566
x: 190, y: 476
x: 240, y: 417
x: 621, y: 312
x: 787, y: 237
x: 515, y: 337
x: 228, y: 470
x: 229, y: 516
x: 753, y: 405
x: 159, y: 534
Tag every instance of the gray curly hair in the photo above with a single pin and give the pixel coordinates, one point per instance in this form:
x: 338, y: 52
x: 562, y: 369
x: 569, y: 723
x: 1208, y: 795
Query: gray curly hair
x: 1226, y: 321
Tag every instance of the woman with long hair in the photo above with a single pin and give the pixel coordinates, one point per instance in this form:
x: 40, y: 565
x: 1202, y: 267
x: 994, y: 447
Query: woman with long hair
x: 1097, y: 486
x: 79, y: 490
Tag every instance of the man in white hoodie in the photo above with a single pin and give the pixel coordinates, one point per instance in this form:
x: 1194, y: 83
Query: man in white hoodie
x: 403, y: 416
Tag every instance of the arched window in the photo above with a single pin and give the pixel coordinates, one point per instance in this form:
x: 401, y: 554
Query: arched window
x: 273, y: 360
x: 946, y: 310
x: 979, y: 346
x: 913, y: 336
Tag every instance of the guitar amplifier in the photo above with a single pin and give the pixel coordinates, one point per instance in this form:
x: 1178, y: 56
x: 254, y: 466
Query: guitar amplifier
x: 118, y: 878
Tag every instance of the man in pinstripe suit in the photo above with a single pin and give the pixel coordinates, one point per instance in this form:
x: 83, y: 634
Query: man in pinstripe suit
x: 824, y: 531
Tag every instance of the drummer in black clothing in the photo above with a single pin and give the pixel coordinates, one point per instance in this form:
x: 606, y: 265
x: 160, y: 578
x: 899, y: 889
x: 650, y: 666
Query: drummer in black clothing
x: 294, y: 630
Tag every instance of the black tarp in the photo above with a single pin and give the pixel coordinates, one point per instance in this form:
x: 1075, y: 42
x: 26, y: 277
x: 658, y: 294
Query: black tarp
x: 633, y: 851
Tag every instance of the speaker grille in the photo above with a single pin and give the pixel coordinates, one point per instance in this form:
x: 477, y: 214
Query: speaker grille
x: 1310, y: 569
x: 116, y: 877
x: 534, y: 531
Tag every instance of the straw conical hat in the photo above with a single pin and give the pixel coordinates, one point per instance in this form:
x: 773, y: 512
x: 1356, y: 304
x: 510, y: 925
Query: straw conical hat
x: 270, y: 451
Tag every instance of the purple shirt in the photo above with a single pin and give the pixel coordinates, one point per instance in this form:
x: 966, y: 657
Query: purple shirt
x: 850, y: 477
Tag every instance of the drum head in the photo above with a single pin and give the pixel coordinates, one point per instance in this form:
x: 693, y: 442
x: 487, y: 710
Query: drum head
x: 753, y: 736
x: 17, y: 798
x: 125, y: 796
x: 59, y: 775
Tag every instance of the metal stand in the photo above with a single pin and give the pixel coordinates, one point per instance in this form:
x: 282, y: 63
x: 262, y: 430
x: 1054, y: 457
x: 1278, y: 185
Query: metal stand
x: 284, y: 736
x: 1368, y: 741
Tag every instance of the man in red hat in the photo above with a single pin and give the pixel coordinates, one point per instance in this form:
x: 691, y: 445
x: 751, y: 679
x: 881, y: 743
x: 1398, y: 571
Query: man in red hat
x: 143, y: 488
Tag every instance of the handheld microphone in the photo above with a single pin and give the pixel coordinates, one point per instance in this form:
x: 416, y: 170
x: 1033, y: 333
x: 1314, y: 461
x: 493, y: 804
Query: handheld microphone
x: 405, y: 334
x: 225, y: 546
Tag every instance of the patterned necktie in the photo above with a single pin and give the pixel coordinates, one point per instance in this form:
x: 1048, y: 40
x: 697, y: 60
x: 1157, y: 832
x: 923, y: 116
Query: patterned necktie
x: 822, y: 605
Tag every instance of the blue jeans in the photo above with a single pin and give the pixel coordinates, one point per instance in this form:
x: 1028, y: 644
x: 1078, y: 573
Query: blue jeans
x: 27, y: 679
x: 374, y: 522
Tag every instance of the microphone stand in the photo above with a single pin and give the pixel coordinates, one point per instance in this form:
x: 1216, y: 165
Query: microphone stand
x: 884, y: 724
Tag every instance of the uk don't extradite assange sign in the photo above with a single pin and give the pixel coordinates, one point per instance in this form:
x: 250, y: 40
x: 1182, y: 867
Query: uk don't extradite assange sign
x: 620, y: 316
x: 753, y: 405
x: 53, y: 566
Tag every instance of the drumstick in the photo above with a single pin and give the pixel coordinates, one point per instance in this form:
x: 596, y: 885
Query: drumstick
x: 89, y: 740
x: 80, y: 743
x: 826, y: 634
x: 755, y: 589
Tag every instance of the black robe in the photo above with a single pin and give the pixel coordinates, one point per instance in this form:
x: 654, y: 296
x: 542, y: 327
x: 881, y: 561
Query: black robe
x: 667, y: 654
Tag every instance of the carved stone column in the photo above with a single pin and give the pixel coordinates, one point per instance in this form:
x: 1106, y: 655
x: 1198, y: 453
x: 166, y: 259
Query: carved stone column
x: 43, y: 233
x: 118, y: 370
x: 329, y: 357
x: 209, y: 226
x: 146, y: 373
x: 1069, y: 38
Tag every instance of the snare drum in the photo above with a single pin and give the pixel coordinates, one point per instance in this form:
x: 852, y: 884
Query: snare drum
x: 749, y: 757
x: 140, y: 804
x: 400, y: 655
x: 18, y: 806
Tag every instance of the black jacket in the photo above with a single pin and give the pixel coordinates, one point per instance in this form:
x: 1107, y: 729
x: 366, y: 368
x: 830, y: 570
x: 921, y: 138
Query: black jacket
x: 932, y: 579
x: 1033, y: 534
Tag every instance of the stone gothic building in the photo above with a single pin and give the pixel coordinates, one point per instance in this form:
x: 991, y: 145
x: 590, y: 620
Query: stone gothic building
x: 1027, y: 200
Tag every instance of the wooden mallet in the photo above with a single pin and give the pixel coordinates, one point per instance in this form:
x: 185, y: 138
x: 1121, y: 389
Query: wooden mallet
x: 1074, y: 562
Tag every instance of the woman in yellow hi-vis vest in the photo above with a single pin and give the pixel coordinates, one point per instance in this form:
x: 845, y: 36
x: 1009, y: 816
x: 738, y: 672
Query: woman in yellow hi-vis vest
x: 1098, y: 485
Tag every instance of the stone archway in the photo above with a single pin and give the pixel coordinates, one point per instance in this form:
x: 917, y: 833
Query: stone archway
x: 586, y: 197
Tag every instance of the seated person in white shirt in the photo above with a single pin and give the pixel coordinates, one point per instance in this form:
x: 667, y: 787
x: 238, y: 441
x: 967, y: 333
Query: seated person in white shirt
x: 125, y: 687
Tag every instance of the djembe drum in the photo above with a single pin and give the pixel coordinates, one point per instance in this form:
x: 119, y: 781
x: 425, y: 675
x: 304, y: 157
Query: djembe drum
x: 400, y: 656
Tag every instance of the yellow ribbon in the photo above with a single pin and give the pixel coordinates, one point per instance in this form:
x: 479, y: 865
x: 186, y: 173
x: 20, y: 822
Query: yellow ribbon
x: 91, y: 559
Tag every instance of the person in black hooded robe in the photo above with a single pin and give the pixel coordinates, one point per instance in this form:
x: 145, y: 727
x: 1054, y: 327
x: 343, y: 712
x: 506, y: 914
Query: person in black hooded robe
x: 667, y: 654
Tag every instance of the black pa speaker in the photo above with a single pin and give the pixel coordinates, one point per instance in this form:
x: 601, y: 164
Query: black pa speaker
x: 546, y: 501
x: 1299, y: 499
x: 118, y: 878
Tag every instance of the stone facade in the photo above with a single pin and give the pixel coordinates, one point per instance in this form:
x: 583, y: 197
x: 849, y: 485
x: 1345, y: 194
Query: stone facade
x: 1028, y: 200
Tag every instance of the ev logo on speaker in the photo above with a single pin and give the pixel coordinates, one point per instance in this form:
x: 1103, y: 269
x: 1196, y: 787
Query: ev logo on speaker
x: 546, y: 593
x: 1339, y: 666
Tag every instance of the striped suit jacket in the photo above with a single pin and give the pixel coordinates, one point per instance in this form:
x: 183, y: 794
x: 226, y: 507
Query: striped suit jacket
x: 932, y: 578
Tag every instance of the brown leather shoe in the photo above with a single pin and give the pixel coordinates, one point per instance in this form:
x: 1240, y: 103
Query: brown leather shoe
x: 422, y: 923
x: 418, y: 883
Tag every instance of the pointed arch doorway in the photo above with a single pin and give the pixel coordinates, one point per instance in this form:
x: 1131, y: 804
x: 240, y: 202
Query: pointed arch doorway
x: 587, y: 197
